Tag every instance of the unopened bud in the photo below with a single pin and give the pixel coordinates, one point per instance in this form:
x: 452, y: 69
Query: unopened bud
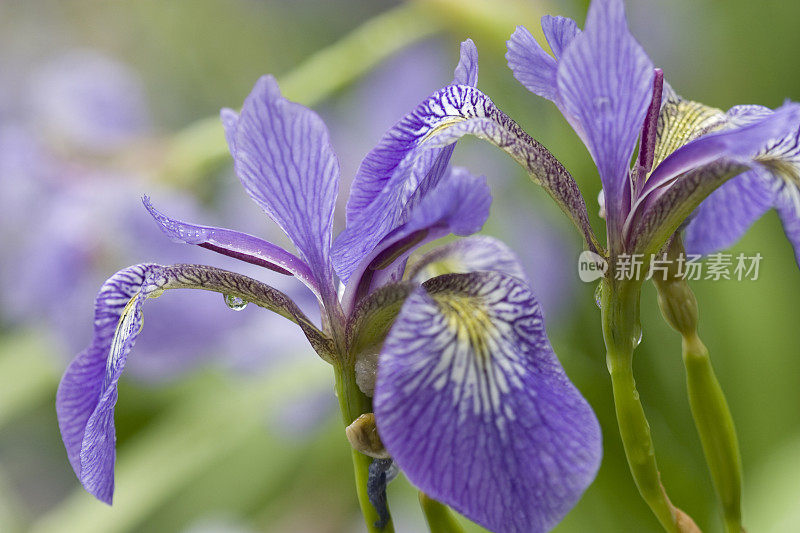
x: 364, y: 438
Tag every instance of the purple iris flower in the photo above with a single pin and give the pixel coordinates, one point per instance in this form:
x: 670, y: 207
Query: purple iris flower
x: 468, y: 397
x: 729, y: 211
x: 606, y: 87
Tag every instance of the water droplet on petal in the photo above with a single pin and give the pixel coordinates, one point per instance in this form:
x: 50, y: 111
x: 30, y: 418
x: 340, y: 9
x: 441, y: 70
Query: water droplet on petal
x: 235, y: 302
x: 598, y: 295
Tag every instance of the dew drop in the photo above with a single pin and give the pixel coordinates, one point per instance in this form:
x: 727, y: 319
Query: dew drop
x: 637, y: 335
x: 234, y: 302
x: 598, y: 295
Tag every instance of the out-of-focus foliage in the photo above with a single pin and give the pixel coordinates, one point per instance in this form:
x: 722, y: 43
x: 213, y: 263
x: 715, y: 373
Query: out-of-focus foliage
x: 250, y: 440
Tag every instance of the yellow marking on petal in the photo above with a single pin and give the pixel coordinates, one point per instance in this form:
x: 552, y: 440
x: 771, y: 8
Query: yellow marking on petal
x: 469, y: 320
x: 437, y: 268
x: 441, y: 127
x: 681, y: 121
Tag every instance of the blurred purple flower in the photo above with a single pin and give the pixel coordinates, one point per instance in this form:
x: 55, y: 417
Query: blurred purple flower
x: 66, y: 219
x: 469, y: 398
x: 90, y: 101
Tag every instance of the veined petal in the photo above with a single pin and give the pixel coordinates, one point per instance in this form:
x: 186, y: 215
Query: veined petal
x: 728, y: 212
x: 459, y: 205
x: 475, y: 408
x: 605, y: 81
x: 788, y: 206
x: 559, y: 32
x: 656, y: 218
x: 681, y: 121
x: 88, y: 390
x: 738, y: 144
x: 466, y: 72
x: 283, y: 156
x: 532, y: 66
x: 459, y: 110
x: 479, y: 253
x: 393, y: 177
x: 238, y: 245
x: 691, y: 173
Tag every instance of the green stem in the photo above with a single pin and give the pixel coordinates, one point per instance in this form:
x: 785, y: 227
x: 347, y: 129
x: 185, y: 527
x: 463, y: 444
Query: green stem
x: 710, y: 411
x: 714, y: 423
x: 621, y: 332
x: 353, y: 403
x: 438, y: 516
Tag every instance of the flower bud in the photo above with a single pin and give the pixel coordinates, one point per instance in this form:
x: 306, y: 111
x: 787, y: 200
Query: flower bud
x: 364, y: 438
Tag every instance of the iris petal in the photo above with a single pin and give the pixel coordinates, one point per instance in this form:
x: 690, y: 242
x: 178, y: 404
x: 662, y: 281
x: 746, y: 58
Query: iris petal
x: 88, y: 390
x: 471, y: 254
x: 284, y: 159
x: 475, y: 408
x: 395, y: 175
x: 234, y: 244
x: 459, y: 205
x: 605, y: 82
x: 729, y: 212
x: 532, y: 66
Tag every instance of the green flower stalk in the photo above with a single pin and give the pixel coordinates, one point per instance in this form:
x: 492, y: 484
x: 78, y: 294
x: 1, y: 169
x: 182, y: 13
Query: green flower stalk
x: 710, y: 411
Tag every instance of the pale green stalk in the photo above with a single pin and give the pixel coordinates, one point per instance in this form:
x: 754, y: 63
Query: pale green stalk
x: 438, y: 516
x: 621, y: 330
x: 710, y: 411
x: 353, y: 403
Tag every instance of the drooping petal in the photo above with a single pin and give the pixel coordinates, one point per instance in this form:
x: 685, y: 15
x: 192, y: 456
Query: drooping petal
x: 88, y: 390
x: 723, y: 217
x: 475, y: 408
x: 694, y: 171
x: 479, y: 253
x: 656, y: 218
x: 458, y: 110
x: 737, y: 144
x: 788, y: 206
x: 393, y: 177
x: 234, y: 244
x: 283, y: 156
x: 532, y: 66
x: 459, y: 205
x: 605, y: 81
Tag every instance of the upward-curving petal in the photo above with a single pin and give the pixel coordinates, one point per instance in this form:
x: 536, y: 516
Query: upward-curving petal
x: 605, y: 81
x: 693, y: 172
x: 746, y: 140
x: 283, y: 156
x: 475, y: 408
x: 393, y: 177
x: 458, y: 205
x: 534, y: 68
x: 88, y: 390
x: 445, y: 117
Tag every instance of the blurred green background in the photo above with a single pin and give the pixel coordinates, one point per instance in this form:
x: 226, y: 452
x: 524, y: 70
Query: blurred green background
x: 256, y: 445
